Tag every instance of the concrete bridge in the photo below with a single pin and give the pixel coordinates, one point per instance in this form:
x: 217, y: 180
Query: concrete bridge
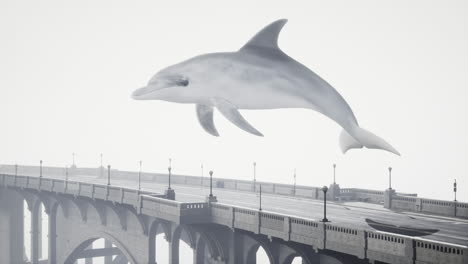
x: 85, y: 209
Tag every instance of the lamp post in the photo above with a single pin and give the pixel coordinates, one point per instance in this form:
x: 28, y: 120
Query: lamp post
x: 169, y: 193
x: 254, y: 175
x: 334, y: 173
x: 201, y: 181
x: 139, y: 178
x: 169, y: 169
x: 101, y: 167
x: 108, y: 174
x: 260, y: 205
x: 389, y: 178
x: 211, y: 197
x: 294, y: 189
x: 16, y: 170
x: 211, y: 183
x: 325, y: 189
x: 455, y: 189
x: 66, y: 177
x: 40, y: 169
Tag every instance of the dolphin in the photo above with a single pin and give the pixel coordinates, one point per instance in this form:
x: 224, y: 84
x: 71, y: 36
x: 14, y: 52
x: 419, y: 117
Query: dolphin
x: 258, y: 76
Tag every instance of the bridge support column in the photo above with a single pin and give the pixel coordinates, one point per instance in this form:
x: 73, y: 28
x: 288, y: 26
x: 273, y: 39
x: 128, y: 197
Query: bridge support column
x: 89, y: 260
x: 36, y: 228
x: 107, y: 259
x: 11, y: 227
x: 174, y: 251
x: 53, y: 235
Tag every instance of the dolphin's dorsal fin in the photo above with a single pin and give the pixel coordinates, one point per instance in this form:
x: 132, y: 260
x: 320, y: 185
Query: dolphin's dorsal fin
x: 267, y: 37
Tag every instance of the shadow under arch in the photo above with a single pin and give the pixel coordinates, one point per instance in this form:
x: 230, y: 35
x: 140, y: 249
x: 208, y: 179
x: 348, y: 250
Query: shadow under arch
x: 83, y: 245
x: 252, y: 251
x: 157, y: 227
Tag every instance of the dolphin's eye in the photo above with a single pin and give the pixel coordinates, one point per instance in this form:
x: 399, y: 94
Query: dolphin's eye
x: 182, y: 82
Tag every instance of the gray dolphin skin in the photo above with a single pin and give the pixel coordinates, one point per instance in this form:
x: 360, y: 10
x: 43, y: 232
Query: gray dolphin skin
x: 258, y: 76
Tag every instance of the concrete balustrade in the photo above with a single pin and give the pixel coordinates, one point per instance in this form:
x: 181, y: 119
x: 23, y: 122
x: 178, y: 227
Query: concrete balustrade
x: 363, y: 244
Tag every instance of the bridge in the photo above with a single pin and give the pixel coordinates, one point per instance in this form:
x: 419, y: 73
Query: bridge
x: 229, y: 226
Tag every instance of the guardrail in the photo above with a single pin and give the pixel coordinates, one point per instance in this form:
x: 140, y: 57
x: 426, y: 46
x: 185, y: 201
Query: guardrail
x: 149, y: 203
x: 430, y: 206
x: 375, y: 245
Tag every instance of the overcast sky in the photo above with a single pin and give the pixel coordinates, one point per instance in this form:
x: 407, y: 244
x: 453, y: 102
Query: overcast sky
x: 68, y: 69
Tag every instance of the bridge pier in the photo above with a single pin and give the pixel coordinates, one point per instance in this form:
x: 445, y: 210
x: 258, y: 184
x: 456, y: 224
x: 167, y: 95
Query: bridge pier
x: 107, y: 259
x: 11, y: 227
x: 36, y: 232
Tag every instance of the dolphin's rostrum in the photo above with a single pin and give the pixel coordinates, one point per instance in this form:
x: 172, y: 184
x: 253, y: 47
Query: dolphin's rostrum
x: 258, y: 76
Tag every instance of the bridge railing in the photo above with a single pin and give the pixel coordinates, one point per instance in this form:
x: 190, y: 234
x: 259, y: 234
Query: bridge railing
x: 150, y: 203
x: 430, y: 206
x: 364, y: 243
x: 361, y: 242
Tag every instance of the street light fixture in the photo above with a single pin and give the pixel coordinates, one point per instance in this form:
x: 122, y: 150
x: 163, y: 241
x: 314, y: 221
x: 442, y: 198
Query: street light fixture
x: 325, y: 189
x: 334, y: 173
x: 169, y: 193
x: 139, y: 178
x: 169, y: 180
x: 66, y: 177
x: 455, y: 189
x: 260, y: 205
x: 201, y: 180
x: 294, y: 190
x: 108, y: 174
x: 389, y: 178
x: 255, y: 175
x: 211, y: 197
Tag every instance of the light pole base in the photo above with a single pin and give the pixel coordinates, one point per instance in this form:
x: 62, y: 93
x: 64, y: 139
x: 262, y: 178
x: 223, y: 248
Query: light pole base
x: 170, y: 194
x: 211, y: 199
x: 325, y: 220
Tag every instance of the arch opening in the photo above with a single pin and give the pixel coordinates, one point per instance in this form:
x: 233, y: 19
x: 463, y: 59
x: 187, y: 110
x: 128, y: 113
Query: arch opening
x: 162, y: 249
x: 185, y: 252
x: 44, y: 233
x: 261, y: 256
x: 26, y: 232
x: 99, y: 250
x: 297, y: 260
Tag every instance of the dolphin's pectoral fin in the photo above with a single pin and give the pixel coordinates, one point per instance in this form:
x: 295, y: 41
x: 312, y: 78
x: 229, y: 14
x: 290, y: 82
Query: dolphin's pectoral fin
x: 232, y: 114
x: 205, y: 117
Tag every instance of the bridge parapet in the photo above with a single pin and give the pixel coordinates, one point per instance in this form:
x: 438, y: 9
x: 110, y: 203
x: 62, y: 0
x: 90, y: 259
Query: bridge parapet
x: 147, y: 202
x: 430, y: 206
x: 365, y: 244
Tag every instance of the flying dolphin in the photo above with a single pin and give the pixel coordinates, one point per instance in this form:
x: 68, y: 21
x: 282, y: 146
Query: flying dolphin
x: 258, y: 76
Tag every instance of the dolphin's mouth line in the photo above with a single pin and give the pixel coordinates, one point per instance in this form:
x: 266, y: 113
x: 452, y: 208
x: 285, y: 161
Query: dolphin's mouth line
x: 137, y: 95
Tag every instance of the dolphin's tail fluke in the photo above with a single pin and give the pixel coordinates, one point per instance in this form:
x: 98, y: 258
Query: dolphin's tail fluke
x: 364, y: 138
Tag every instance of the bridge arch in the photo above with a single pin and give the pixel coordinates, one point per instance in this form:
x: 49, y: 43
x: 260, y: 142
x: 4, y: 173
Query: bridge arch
x: 156, y: 227
x: 251, y: 256
x: 82, y: 245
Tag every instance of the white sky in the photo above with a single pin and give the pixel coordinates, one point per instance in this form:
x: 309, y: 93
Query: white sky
x: 68, y: 68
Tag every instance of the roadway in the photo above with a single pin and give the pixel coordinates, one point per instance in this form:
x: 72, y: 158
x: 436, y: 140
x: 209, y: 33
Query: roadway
x: 352, y: 214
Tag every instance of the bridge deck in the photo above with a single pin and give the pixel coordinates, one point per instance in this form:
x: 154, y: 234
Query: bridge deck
x: 452, y: 230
